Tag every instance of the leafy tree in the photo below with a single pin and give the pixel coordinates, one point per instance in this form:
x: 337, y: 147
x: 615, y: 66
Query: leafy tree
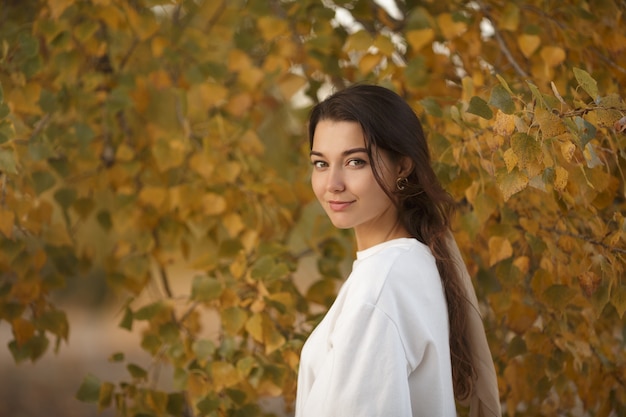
x: 137, y: 134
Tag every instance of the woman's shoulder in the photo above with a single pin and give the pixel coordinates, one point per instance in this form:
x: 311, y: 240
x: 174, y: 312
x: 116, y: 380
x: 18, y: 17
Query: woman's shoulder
x: 397, y: 266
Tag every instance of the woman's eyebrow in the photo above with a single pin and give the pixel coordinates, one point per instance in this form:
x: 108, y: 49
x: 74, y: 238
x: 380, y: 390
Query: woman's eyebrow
x: 344, y: 153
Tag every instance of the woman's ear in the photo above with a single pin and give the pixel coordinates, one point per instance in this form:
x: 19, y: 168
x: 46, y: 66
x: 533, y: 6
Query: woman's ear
x: 405, y: 166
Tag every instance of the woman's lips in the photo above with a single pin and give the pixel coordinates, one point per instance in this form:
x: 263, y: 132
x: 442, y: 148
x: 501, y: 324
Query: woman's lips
x: 339, y: 205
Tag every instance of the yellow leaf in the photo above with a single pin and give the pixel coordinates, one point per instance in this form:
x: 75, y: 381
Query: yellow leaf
x: 560, y: 179
x: 124, y: 153
x: 251, y: 144
x: 368, y: 62
x: 568, y: 149
x: 7, y: 219
x: 449, y: 28
x: 254, y: 326
x: 224, y: 375
x: 153, y: 196
x: 144, y: 25
x: 550, y: 124
x: 384, y: 44
x: 238, y: 60
x: 290, y: 84
x: 239, y: 104
x: 510, y: 159
x: 25, y: 99
x: 57, y: 235
x: 158, y: 45
x: 251, y: 77
x: 589, y: 282
x: 23, y: 330
x: 512, y: 183
x: 271, y: 27
x: 233, y: 224
x: 522, y: 263
x: 25, y: 291
x: 228, y: 171
x: 239, y: 266
x: 204, y: 97
x: 499, y: 249
x: 417, y: 39
x: 201, y: 165
x: 359, y: 41
x: 504, y: 124
x: 169, y: 153
x: 510, y: 17
x: 57, y: 7
x: 272, y: 337
x: 552, y: 56
x: 214, y: 204
x: 160, y: 79
x: 521, y: 317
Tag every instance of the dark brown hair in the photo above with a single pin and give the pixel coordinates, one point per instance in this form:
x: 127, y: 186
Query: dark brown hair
x: 424, y: 207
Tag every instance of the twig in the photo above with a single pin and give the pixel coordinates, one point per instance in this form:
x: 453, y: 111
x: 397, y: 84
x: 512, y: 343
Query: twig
x: 3, y: 189
x: 586, y: 239
x: 503, y: 47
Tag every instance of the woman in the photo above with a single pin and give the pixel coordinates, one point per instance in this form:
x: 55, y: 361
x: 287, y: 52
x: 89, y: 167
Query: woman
x: 403, y: 336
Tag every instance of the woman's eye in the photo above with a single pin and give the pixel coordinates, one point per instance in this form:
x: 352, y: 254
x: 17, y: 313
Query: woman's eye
x: 319, y: 164
x: 356, y: 162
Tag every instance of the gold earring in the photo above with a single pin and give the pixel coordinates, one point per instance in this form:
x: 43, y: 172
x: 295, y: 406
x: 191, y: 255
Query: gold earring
x: 401, y: 183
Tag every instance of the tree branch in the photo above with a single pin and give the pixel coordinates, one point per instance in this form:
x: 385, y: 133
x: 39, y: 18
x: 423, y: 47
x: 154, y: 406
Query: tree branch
x: 501, y: 43
x: 586, y: 239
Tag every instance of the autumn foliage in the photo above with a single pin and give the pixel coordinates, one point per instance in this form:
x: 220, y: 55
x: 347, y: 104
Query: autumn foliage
x: 136, y: 135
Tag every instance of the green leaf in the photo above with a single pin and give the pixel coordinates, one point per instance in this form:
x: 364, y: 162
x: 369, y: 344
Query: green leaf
x: 89, y: 390
x: 4, y: 112
x: 176, y: 403
x: 149, y: 311
x: 431, y: 106
x: 586, y: 131
x: 203, y: 349
x: 558, y: 296
x: 504, y: 84
x: 48, y: 101
x: 233, y: 320
x: 106, y: 395
x: 205, y: 288
x: 33, y: 349
x: 84, y: 133
x: 586, y: 82
x: 618, y: 299
x: 7, y: 161
x: 43, y: 180
x: 136, y: 371
x: 65, y: 197
x: 151, y: 343
x: 501, y: 99
x: 511, y: 183
x: 54, y: 321
x: 479, y: 107
x: 208, y: 404
x: 537, y: 95
x: 127, y: 320
x: 104, y: 219
x: 526, y: 148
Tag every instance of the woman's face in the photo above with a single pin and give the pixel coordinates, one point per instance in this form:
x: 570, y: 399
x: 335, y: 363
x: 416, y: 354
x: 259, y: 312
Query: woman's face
x: 344, y: 183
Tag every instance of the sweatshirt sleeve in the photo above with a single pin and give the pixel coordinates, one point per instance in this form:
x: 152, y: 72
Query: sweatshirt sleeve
x: 365, y: 373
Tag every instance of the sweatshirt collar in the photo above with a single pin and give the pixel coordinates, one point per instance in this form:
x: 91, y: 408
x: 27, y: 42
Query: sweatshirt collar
x: 403, y: 241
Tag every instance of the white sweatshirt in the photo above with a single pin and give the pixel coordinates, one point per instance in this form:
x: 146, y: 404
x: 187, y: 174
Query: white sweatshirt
x: 382, y: 349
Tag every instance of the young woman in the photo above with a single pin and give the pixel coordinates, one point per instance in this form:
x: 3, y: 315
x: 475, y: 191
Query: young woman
x: 403, y: 336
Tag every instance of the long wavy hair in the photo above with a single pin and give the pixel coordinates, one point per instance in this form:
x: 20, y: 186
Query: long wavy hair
x: 424, y: 207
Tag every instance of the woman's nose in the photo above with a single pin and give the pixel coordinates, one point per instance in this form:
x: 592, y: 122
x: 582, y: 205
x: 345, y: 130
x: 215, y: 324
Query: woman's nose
x: 335, y: 181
